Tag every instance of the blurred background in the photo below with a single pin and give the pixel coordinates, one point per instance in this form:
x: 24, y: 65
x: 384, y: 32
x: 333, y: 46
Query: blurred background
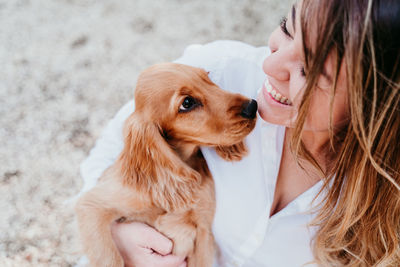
x: 66, y: 67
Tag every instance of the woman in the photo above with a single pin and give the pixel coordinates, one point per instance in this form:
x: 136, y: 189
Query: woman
x: 321, y: 184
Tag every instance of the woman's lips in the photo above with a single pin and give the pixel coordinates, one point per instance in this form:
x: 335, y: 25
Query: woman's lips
x: 275, y: 95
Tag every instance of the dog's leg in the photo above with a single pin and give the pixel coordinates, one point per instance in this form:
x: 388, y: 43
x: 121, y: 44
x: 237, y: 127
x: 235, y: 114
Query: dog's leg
x: 204, y: 249
x: 94, y: 224
x: 180, y: 229
x: 203, y: 254
x: 96, y: 210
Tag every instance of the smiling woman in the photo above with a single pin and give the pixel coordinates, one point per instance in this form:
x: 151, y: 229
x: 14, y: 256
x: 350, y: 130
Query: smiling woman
x: 321, y: 181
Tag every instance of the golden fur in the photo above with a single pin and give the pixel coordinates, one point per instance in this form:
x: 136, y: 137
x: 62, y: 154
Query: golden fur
x: 161, y: 177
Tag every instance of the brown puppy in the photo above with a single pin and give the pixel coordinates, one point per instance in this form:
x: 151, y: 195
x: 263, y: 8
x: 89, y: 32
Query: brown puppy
x: 161, y: 177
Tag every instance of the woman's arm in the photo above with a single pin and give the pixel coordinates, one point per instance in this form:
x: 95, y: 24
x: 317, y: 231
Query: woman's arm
x: 106, y: 149
x: 140, y: 244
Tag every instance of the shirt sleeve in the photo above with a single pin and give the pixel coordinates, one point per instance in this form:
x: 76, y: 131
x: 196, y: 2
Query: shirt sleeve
x: 214, y: 57
x: 106, y: 149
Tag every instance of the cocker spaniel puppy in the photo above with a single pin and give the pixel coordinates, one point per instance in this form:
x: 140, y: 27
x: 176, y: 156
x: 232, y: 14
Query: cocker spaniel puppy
x: 161, y: 177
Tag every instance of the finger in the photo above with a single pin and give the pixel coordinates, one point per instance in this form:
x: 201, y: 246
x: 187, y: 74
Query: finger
x: 157, y: 241
x: 169, y: 260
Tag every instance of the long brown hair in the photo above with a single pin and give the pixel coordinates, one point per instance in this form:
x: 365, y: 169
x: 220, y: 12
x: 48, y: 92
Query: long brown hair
x: 359, y: 219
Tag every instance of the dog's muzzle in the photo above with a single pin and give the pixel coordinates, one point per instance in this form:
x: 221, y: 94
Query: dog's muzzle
x: 250, y: 110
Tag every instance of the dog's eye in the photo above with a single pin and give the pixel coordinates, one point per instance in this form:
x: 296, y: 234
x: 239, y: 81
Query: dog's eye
x: 188, y: 104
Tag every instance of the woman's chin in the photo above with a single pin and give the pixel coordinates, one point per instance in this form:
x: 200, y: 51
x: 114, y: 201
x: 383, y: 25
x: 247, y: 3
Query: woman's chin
x: 272, y: 113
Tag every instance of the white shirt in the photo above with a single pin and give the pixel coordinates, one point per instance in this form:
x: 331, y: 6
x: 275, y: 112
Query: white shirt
x: 244, y: 232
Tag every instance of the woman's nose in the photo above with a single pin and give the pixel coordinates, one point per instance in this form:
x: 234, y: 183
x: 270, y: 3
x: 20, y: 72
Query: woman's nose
x: 273, y: 41
x: 275, y: 64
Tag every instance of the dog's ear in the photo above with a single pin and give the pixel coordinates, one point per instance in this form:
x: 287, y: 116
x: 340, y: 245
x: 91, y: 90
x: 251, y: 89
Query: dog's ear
x: 148, y: 163
x: 232, y: 153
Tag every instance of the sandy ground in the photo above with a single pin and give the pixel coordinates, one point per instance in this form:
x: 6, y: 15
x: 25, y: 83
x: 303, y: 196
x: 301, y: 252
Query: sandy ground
x: 66, y: 68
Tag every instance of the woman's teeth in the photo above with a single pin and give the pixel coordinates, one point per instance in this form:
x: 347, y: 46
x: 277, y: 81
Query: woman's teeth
x: 277, y: 96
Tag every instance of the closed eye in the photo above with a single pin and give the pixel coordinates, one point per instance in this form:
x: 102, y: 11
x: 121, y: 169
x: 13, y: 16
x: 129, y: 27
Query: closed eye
x: 284, y: 28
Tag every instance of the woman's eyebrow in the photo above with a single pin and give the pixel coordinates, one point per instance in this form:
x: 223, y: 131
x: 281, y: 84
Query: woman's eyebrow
x: 294, y: 17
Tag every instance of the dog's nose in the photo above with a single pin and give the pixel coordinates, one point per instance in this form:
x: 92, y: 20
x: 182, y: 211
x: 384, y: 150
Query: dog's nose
x: 250, y: 110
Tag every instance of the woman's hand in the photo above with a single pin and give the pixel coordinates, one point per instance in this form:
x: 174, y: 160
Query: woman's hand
x: 141, y: 245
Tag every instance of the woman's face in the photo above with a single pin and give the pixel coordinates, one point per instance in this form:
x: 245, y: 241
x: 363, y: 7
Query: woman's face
x: 282, y: 90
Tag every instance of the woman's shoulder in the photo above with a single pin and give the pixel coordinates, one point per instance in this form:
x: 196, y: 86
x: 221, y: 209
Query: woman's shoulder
x: 208, y: 55
x: 219, y: 49
x: 234, y: 66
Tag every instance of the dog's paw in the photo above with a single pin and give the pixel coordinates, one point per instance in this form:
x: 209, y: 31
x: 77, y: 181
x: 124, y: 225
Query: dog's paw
x: 232, y: 153
x: 180, y: 229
